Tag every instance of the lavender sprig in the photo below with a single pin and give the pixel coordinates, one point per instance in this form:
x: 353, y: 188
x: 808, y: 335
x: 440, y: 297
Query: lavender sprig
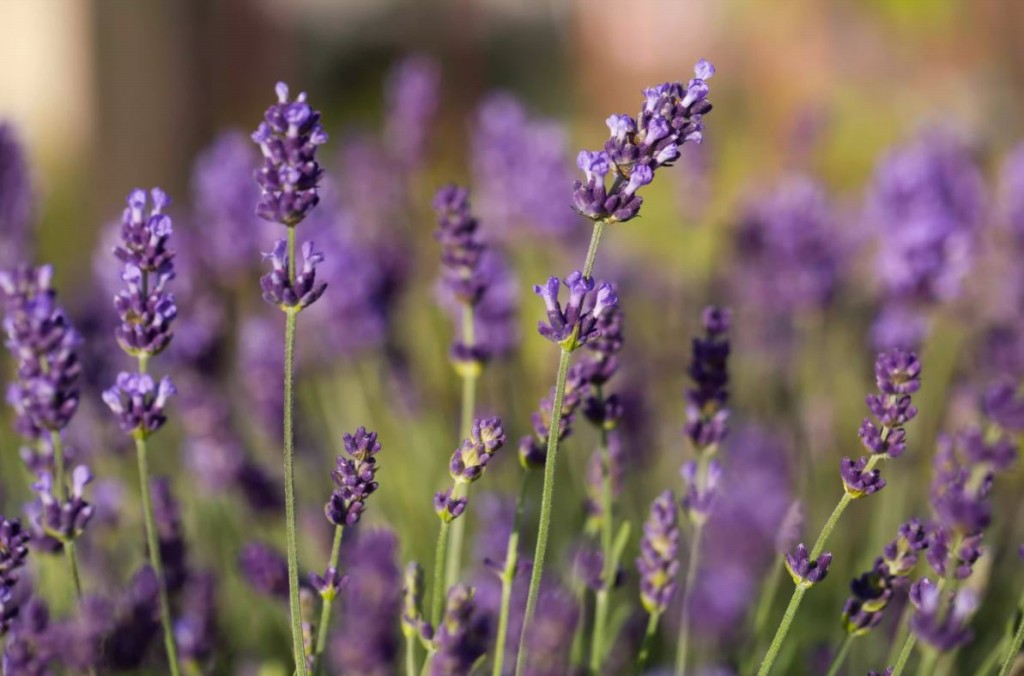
x: 289, y: 180
x: 658, y: 565
x: 671, y: 115
x: 146, y: 310
x: 898, y: 376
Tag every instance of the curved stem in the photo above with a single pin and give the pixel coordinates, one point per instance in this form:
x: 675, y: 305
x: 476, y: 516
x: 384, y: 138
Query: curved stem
x: 325, y: 610
x: 547, y: 499
x: 1014, y: 649
x: 645, y: 647
x: 508, y: 576
x: 691, y: 578
x: 298, y: 649
x: 908, y: 648
x: 153, y: 543
x: 780, y: 635
x: 837, y: 661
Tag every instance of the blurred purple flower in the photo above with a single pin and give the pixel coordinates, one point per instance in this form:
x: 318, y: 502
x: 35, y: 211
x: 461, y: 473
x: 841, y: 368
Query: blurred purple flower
x: 411, y: 96
x: 16, y: 200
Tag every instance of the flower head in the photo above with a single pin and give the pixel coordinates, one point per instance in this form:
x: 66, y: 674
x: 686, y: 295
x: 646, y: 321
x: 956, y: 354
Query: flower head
x: 292, y: 290
x: 461, y: 638
x: 139, y: 403
x: 574, y: 325
x: 354, y: 477
x: 805, y: 571
x: 658, y: 563
x: 63, y: 520
x: 290, y: 176
x: 470, y: 460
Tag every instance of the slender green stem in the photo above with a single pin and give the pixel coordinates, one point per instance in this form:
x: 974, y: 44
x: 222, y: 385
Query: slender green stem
x: 928, y: 660
x: 645, y: 647
x: 994, y: 658
x: 325, y: 609
x: 595, y: 241
x: 905, y: 652
x: 154, y: 555
x: 458, y: 533
x: 691, y: 579
x: 438, y: 589
x: 62, y: 494
x: 546, y: 502
x: 764, y: 606
x: 902, y: 628
x: 830, y: 525
x: 298, y: 649
x: 508, y: 576
x: 410, y: 656
x: 607, y: 534
x: 837, y: 661
x: 780, y: 635
x: 1014, y: 649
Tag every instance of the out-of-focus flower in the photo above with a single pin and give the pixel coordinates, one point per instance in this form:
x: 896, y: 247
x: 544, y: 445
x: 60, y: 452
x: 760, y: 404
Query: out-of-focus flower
x: 461, y: 638
x: 550, y: 635
x: 264, y: 569
x: 412, y: 95
x: 658, y: 563
x: 16, y: 199
x: 944, y: 631
x: 533, y: 449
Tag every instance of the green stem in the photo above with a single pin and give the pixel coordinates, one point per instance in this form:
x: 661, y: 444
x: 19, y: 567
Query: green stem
x: 1018, y: 639
x: 607, y: 534
x: 325, y: 610
x: 691, y: 578
x: 438, y: 589
x: 508, y: 576
x: 908, y: 648
x: 595, y: 241
x: 928, y: 660
x: 901, y: 634
x: 546, y: 502
x: 780, y: 635
x: 62, y: 494
x: 458, y: 532
x: 645, y: 647
x: 298, y: 649
x: 830, y: 525
x: 154, y: 555
x: 837, y: 661
x: 764, y: 606
x: 410, y: 656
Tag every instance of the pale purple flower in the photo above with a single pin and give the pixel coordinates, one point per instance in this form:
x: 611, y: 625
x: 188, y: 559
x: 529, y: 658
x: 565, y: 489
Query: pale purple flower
x: 16, y: 199
x: 411, y: 96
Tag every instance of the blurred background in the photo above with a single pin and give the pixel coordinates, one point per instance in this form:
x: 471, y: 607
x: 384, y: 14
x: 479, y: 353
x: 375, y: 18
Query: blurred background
x: 811, y: 99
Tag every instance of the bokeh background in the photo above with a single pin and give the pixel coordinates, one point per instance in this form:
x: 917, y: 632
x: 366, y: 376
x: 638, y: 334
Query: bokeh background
x: 107, y: 95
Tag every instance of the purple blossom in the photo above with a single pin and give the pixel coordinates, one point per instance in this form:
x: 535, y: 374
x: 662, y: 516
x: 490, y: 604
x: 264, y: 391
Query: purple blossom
x: 658, y: 563
x: 550, y: 634
x: 288, y: 138
x: 856, y: 481
x: 576, y: 324
x: 871, y: 593
x: 1012, y: 191
x: 16, y: 199
x: 146, y: 310
x: 33, y: 646
x: 412, y: 95
x: 448, y: 507
x: 39, y: 335
x: 944, y: 631
x: 265, y: 569
x: 139, y: 403
x: 354, y: 477
x: 805, y: 571
x: 63, y: 520
x: 144, y: 238
x: 13, y: 553
x: 469, y: 461
x: 671, y: 115
x: 292, y: 290
x: 461, y: 638
x: 1002, y: 405
x: 707, y: 413
x: 533, y: 449
x: 898, y: 375
x: 699, y: 496
x: 520, y: 165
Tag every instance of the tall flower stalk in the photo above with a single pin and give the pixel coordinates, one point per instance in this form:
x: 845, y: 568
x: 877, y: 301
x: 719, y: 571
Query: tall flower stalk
x: 672, y: 114
x: 706, y: 427
x: 147, y: 311
x: 658, y: 565
x: 288, y: 138
x: 898, y: 375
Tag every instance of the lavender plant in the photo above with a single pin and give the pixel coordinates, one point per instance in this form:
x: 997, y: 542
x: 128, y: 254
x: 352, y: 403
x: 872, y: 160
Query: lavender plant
x: 289, y: 179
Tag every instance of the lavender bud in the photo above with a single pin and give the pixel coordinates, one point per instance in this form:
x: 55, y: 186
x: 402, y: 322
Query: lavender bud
x: 533, y: 449
x: 901, y: 554
x: 856, y: 482
x: 449, y: 508
x: 413, y: 623
x: 330, y: 584
x: 288, y: 138
x: 63, y: 520
x: 658, y: 563
x: 289, y: 290
x: 144, y: 237
x: 697, y: 500
x: 354, y: 477
x: 805, y: 572
x: 469, y: 461
x: 13, y: 553
x: 139, y: 403
x: 574, y: 326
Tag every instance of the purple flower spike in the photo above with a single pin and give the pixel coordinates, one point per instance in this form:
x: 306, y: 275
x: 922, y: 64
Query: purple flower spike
x: 858, y: 483
x: 290, y: 176
x: 805, y: 572
x: 412, y: 99
x: 658, y: 563
x: 280, y: 289
x: 461, y: 638
x: 470, y: 460
x: 139, y: 403
x: 355, y: 478
x: 1002, y: 405
x: 697, y: 500
x: 449, y: 508
x: 944, y: 631
x: 576, y: 324
x: 901, y: 554
x: 144, y: 237
x: 706, y: 411
x: 671, y: 116
x: 63, y: 520
x: 898, y: 374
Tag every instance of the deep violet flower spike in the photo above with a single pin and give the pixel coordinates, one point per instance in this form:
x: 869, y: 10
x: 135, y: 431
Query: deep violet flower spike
x: 898, y: 374
x: 288, y: 293
x: 139, y: 403
x: 144, y: 236
x: 574, y: 325
x: 290, y: 176
x: 707, y: 413
x: 355, y: 477
x: 804, y: 571
x: 470, y: 459
x: 462, y: 636
x: 44, y: 395
x: 671, y: 116
x: 658, y: 563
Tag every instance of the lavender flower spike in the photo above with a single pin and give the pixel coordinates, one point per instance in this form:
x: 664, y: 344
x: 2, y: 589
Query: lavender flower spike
x: 671, y: 115
x: 64, y: 520
x: 355, y: 478
x: 706, y: 410
x: 461, y: 637
x: 290, y: 176
x: 290, y: 290
x: 574, y: 325
x: 805, y: 572
x: 658, y: 563
x: 469, y: 461
x: 139, y: 403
